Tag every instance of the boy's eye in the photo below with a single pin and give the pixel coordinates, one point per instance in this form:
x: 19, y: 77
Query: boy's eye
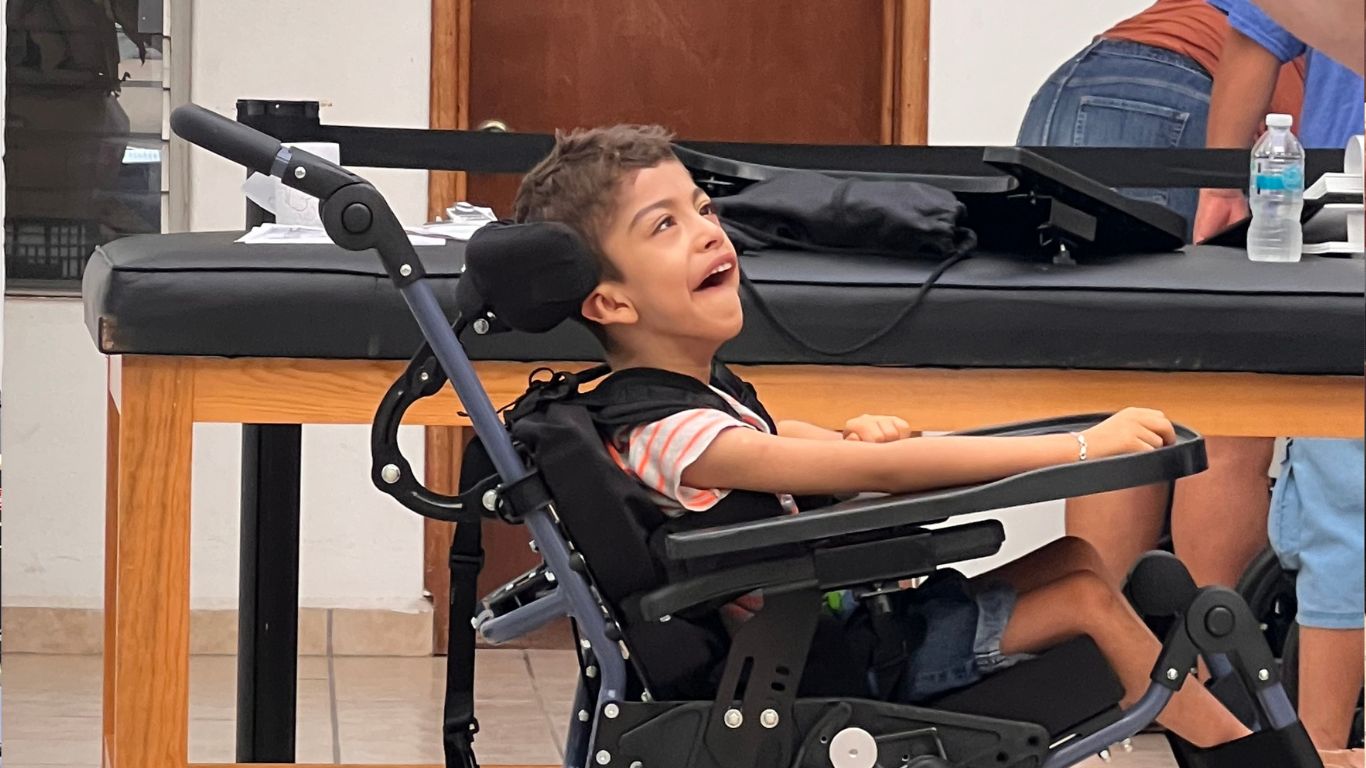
x: 707, y: 209
x: 665, y: 222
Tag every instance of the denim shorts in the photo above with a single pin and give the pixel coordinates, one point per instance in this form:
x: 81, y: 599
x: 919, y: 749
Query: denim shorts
x: 1317, y: 527
x: 1116, y: 93
x: 962, y: 626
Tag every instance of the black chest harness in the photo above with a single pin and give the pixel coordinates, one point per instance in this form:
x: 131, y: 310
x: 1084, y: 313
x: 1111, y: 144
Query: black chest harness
x: 616, y: 524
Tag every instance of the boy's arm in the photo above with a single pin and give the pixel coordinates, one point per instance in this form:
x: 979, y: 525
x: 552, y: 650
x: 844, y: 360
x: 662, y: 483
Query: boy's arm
x: 1242, y: 92
x: 751, y: 460
x: 803, y: 431
x: 868, y: 428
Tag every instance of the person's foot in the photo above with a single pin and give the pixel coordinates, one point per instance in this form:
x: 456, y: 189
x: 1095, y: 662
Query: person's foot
x: 1342, y: 758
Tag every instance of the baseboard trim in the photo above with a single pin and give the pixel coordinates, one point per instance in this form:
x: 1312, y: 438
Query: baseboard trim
x: 354, y: 631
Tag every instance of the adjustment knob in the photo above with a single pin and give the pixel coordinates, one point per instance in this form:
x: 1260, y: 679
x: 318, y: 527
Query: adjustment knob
x: 1219, y: 621
x: 356, y: 218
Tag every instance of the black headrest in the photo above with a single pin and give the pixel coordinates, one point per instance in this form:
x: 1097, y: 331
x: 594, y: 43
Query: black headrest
x: 531, y: 276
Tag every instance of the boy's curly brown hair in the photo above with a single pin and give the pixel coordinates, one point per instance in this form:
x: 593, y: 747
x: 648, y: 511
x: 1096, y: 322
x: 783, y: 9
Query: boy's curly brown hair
x: 577, y: 183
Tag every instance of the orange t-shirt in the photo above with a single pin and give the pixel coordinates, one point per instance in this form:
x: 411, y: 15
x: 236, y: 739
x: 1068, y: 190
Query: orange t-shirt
x: 1196, y: 29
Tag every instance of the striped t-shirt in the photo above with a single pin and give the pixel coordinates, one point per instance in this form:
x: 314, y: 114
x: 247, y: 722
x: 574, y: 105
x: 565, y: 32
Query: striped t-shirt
x: 657, y: 454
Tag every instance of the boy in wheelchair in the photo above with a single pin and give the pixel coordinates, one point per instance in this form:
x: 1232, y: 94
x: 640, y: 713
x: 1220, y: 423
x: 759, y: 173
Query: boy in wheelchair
x: 668, y: 299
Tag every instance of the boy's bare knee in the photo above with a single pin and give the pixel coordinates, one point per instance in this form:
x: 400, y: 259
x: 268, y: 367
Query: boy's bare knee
x: 1089, y: 594
x: 1080, y: 556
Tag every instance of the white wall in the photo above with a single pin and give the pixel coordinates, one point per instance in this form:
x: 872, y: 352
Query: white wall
x: 358, y: 549
x: 368, y: 64
x: 988, y: 57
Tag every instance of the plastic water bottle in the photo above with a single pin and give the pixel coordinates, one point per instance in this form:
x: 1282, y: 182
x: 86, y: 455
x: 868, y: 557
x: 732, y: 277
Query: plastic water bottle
x: 1276, y: 193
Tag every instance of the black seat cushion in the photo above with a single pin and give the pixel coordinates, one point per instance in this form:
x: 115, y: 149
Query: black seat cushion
x: 1059, y: 689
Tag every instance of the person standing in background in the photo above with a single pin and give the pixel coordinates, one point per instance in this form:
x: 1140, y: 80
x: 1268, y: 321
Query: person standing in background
x: 1145, y: 82
x: 1318, y: 513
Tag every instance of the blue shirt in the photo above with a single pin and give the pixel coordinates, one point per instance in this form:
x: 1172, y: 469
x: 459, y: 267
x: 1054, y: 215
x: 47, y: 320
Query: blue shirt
x: 1334, y: 96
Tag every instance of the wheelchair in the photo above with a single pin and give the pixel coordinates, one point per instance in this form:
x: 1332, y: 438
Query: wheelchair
x: 658, y: 685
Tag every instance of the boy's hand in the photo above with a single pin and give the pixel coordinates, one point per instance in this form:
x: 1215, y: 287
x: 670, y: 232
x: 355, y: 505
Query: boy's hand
x: 1132, y: 430
x: 876, y: 429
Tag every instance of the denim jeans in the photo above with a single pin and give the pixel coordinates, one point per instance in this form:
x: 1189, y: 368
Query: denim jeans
x: 1317, y: 525
x: 1116, y: 93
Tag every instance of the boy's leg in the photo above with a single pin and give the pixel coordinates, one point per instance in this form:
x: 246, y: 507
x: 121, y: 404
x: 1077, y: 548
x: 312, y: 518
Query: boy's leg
x: 1318, y: 524
x: 1085, y: 604
x: 1121, y: 525
x: 1218, y: 516
x: 1047, y: 564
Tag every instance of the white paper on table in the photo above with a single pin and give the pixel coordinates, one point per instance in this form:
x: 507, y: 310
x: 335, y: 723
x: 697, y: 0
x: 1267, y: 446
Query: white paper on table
x: 463, y: 220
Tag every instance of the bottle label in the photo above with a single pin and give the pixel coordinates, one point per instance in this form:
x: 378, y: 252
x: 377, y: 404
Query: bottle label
x: 1290, y: 178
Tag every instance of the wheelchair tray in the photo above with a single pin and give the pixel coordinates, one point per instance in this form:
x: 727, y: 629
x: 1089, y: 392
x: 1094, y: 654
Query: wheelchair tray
x: 1185, y: 457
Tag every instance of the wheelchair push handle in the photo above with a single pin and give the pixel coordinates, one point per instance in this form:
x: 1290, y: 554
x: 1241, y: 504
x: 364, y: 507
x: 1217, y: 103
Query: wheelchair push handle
x: 358, y: 218
x: 260, y: 152
x: 227, y: 138
x: 354, y: 214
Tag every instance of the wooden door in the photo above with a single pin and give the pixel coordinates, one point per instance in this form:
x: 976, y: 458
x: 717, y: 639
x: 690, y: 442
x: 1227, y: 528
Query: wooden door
x: 798, y: 71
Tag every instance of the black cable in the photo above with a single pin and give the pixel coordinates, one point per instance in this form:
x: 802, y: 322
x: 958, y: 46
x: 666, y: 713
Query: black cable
x: 792, y: 336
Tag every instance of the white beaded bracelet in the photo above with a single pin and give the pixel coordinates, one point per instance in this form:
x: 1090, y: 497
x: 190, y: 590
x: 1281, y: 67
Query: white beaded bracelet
x: 1081, y: 446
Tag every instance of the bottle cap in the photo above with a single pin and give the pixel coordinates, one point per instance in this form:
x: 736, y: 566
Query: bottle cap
x: 1279, y: 121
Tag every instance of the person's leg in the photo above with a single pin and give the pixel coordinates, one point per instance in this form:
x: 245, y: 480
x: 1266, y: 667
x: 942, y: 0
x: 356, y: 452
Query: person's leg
x: 1317, y: 527
x: 1121, y: 525
x: 1219, y: 515
x: 1330, y: 686
x: 1085, y: 604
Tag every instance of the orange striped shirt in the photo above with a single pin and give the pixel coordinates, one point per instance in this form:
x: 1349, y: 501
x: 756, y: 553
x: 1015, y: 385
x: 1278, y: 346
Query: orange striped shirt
x: 658, y: 453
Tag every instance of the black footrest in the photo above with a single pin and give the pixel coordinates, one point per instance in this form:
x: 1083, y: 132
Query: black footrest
x: 527, y: 588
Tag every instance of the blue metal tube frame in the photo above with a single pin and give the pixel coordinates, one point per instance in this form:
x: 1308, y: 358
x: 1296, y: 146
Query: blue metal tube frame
x: 524, y: 620
x: 579, y: 599
x: 1136, y: 719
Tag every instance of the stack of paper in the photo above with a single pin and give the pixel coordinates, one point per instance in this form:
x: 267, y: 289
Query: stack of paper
x: 462, y: 221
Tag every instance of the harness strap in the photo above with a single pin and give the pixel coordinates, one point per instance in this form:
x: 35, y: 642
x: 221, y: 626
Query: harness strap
x: 458, y: 722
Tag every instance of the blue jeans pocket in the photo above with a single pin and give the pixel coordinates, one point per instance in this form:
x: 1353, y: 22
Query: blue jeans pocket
x: 1105, y: 121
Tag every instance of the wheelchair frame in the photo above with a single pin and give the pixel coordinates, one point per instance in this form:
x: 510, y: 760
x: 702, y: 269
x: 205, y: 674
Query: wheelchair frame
x: 1214, y: 623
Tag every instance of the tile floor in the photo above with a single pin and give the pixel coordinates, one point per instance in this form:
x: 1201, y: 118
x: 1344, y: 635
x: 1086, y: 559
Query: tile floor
x: 351, y: 710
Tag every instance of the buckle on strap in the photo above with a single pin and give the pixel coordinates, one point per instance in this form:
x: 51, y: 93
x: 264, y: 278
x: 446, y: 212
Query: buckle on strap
x: 467, y: 562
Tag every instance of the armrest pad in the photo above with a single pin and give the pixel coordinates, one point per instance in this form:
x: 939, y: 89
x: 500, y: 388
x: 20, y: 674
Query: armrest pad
x: 1185, y: 457
x: 832, y: 565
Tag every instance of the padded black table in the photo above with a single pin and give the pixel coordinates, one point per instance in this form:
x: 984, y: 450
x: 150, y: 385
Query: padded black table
x: 1202, y: 309
x: 199, y: 329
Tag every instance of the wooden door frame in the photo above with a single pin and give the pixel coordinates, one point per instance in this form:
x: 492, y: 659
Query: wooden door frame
x: 905, y: 120
x: 449, y: 101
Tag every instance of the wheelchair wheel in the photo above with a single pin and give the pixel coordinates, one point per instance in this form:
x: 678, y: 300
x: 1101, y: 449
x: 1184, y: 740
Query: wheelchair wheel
x: 1269, y: 590
x: 1290, y: 679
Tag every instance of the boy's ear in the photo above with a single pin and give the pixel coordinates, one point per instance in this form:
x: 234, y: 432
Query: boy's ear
x: 608, y: 304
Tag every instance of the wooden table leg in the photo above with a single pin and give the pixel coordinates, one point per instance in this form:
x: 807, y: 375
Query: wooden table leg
x: 445, y: 447
x: 147, y: 572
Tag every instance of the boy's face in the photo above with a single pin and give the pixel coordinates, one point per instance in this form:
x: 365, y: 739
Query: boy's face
x: 679, y: 273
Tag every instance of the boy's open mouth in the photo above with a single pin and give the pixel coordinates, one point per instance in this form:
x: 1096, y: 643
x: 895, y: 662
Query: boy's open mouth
x: 718, y: 274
